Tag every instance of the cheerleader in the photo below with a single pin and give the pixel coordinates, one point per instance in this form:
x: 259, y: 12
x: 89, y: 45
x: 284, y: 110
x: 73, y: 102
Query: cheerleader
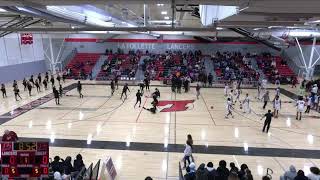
x: 300, y: 107
x: 229, y: 108
x: 246, y: 104
x: 276, y: 106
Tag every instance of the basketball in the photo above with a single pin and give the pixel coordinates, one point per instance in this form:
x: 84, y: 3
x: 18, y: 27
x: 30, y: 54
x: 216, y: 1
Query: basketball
x: 211, y: 107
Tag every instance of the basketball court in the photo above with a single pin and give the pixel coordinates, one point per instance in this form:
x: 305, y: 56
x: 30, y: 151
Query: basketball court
x: 143, y: 144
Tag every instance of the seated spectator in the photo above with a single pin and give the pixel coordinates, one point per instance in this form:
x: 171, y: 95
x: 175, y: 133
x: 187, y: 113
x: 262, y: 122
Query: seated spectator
x: 57, y: 176
x: 248, y: 175
x: 233, y: 176
x: 10, y: 136
x: 314, y: 173
x: 222, y: 170
x: 266, y: 178
x: 242, y: 171
x: 300, y: 176
x: 190, y: 175
x: 148, y: 178
x: 67, y: 166
x: 201, y: 173
x: 57, y: 165
x: 78, y: 163
x: 289, y: 175
x: 211, y: 171
x: 233, y: 168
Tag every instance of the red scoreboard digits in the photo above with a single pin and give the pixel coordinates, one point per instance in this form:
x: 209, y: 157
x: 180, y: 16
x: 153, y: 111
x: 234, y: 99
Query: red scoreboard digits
x: 25, y: 159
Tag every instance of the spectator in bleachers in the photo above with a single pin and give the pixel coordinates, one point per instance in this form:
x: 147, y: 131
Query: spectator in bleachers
x: 57, y: 165
x: 248, y: 175
x: 211, y: 171
x: 242, y: 171
x: 190, y: 175
x: 10, y: 136
x: 67, y: 166
x: 222, y: 170
x: 148, y: 178
x: 314, y: 173
x: 300, y: 176
x: 233, y: 168
x: 78, y: 163
x: 202, y: 173
x: 233, y: 176
x: 290, y: 174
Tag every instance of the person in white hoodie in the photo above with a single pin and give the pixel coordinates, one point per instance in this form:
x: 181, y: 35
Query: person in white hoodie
x: 314, y: 174
x: 187, y: 154
x: 290, y: 174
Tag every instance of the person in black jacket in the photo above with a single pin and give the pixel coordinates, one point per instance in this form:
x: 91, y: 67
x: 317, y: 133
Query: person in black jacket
x: 67, y: 166
x: 39, y: 78
x: 37, y: 85
x: 45, y: 83
x: 212, y: 173
x: 78, y: 163
x: 57, y: 165
x: 222, y: 170
x: 124, y: 91
x: 24, y: 82
x: 242, y: 172
x: 112, y: 86
x: 189, y: 175
x: 300, y: 176
x: 52, y: 80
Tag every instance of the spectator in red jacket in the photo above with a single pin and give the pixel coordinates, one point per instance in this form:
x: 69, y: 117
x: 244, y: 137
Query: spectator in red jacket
x: 10, y: 136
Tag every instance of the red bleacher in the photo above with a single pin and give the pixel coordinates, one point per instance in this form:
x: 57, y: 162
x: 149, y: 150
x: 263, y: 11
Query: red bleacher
x: 284, y: 70
x: 85, y: 61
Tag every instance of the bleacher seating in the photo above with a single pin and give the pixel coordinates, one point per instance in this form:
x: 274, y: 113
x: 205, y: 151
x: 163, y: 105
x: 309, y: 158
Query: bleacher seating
x: 82, y: 62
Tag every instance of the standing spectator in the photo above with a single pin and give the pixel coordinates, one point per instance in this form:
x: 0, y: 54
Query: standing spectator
x: 202, y: 173
x: 222, y: 170
x: 289, y: 175
x: 248, y: 175
x: 57, y: 165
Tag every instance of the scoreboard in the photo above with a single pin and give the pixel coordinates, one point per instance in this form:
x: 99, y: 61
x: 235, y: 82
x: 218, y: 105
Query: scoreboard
x: 24, y: 159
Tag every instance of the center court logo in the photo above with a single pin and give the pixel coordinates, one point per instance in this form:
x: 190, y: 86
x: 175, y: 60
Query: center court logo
x: 172, y: 106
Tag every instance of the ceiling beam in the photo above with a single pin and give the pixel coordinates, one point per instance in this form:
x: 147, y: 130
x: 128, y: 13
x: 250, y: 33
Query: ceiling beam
x: 295, y: 15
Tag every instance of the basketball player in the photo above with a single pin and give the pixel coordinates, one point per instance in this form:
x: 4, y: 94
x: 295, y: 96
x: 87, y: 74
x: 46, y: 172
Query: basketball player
x: 37, y: 85
x: 230, y: 95
x: 52, y: 80
x: 116, y: 79
x: 60, y: 90
x: 226, y: 88
x: 29, y: 86
x: 229, y: 108
x: 31, y: 80
x: 24, y: 83
x: 156, y: 93
x: 277, y: 91
x: 266, y: 98
x: 154, y: 103
x: 3, y: 90
x: 16, y: 92
x: 259, y: 90
x: 141, y: 86
x: 267, y: 122
x: 56, y: 95
x: 309, y: 101
x: 147, y: 84
x: 47, y: 76
x: 124, y: 91
x: 237, y: 95
x: 246, y: 104
x: 15, y: 84
x: 39, y: 79
x: 300, y: 107
x: 198, y: 91
x: 45, y: 83
x: 112, y: 87
x: 138, y: 95
x: 276, y: 106
x: 79, y: 88
x: 59, y: 78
